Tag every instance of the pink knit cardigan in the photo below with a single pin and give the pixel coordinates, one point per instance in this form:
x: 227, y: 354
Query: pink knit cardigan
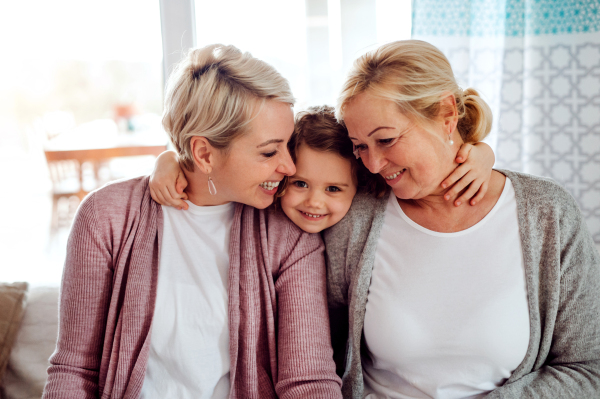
x: 278, y: 320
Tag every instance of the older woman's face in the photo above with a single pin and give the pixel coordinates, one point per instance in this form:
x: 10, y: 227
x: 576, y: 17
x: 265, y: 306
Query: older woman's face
x: 258, y: 160
x: 413, y: 160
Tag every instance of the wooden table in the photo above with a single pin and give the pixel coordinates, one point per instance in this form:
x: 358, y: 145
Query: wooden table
x: 76, y: 150
x: 96, y: 156
x: 100, y: 154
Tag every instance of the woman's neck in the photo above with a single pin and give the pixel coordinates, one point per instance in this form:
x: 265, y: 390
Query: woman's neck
x: 434, y: 202
x: 435, y: 213
x: 197, y: 190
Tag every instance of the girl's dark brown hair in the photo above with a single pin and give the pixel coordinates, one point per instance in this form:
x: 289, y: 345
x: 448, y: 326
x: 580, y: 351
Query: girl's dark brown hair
x: 318, y: 129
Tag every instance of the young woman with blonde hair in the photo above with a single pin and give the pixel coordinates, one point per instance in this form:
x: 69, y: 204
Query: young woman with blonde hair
x: 225, y: 300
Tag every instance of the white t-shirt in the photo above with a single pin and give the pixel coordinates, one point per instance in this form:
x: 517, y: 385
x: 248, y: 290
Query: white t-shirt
x: 189, y: 344
x: 447, y: 313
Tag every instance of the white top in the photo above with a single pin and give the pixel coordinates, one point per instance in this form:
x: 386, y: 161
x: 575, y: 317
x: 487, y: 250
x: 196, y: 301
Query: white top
x: 189, y: 343
x: 447, y: 313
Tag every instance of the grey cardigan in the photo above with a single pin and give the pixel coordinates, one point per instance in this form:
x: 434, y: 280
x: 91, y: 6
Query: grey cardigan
x: 562, y: 269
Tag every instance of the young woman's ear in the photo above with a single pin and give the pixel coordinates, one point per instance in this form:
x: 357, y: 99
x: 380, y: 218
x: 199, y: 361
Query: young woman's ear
x: 449, y: 112
x: 203, y: 153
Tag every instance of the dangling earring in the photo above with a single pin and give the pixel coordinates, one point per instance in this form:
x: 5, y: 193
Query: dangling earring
x: 211, y: 187
x: 450, y: 141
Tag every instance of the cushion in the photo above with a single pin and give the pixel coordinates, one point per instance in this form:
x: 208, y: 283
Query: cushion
x: 26, y: 372
x: 13, y: 298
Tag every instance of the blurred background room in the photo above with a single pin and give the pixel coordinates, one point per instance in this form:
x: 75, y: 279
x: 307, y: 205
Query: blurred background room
x: 81, y: 91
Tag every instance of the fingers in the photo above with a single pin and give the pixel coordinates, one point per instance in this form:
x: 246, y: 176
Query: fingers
x: 164, y: 197
x: 171, y: 200
x: 455, y: 176
x: 469, y: 177
x: 184, y: 204
x: 158, y: 197
x: 463, y: 152
x: 181, y: 182
x: 153, y: 194
x: 172, y: 191
x: 480, y: 194
x: 458, y: 187
x: 180, y: 185
x: 470, y: 192
x: 176, y: 199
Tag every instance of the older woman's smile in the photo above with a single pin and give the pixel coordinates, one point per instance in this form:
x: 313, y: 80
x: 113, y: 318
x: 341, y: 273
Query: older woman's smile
x: 395, y: 175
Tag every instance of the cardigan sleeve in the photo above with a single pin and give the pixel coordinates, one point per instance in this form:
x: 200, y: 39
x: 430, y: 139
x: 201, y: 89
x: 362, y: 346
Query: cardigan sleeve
x: 572, y: 367
x: 336, y: 240
x: 85, y: 293
x: 347, y: 244
x: 306, y: 368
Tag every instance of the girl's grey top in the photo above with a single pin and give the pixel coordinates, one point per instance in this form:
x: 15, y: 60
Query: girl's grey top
x: 562, y: 268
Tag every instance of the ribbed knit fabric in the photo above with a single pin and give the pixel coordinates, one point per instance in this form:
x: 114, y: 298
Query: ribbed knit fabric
x: 279, y: 329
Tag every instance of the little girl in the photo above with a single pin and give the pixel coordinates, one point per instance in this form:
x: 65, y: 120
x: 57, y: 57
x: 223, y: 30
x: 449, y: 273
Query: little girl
x: 328, y: 174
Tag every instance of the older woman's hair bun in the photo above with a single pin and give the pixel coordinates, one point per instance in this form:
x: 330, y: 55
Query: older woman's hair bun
x: 215, y: 92
x: 416, y: 76
x: 474, y: 117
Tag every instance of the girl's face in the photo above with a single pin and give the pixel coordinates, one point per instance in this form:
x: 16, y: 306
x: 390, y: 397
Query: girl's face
x: 320, y: 193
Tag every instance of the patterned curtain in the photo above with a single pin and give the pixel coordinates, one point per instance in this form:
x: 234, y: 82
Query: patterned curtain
x: 537, y: 64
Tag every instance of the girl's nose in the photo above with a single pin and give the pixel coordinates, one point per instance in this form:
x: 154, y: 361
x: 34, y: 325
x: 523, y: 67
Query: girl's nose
x: 314, y: 200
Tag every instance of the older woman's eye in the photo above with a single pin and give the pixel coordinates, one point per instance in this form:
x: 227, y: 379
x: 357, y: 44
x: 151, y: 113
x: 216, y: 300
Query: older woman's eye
x: 333, y: 189
x: 360, y: 147
x: 387, y: 141
x: 300, y: 184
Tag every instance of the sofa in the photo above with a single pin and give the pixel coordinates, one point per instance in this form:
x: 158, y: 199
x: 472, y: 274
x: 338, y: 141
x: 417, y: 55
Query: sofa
x: 28, y: 331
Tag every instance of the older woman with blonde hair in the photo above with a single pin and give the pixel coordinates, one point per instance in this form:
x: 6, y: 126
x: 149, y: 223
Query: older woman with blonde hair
x: 430, y: 300
x: 225, y: 300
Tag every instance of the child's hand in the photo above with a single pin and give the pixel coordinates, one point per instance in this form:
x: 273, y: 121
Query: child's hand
x: 167, y: 182
x: 475, y: 170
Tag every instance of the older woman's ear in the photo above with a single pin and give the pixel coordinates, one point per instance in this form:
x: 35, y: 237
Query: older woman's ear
x: 203, y: 154
x: 449, y: 113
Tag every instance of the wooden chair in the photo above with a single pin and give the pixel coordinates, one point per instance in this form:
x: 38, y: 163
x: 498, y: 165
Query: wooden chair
x: 67, y: 191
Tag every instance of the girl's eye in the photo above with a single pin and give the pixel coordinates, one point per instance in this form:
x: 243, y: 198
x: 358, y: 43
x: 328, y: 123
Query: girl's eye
x: 269, y: 154
x: 300, y: 184
x: 333, y: 189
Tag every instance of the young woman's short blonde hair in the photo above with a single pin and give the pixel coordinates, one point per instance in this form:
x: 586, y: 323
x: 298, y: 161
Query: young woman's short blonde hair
x: 416, y: 75
x: 214, y: 92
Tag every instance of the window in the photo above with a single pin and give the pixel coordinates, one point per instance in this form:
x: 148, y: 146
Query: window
x: 67, y: 66
x: 310, y: 42
x: 71, y: 67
